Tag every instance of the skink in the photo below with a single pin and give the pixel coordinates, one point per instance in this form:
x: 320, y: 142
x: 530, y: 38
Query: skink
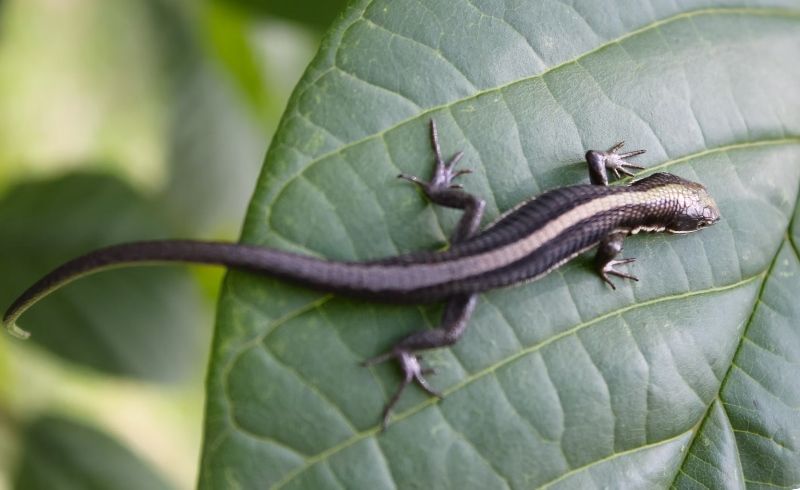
x: 524, y: 244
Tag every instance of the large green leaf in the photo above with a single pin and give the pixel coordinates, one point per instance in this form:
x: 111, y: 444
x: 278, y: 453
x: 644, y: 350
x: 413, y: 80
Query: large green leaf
x: 685, y: 378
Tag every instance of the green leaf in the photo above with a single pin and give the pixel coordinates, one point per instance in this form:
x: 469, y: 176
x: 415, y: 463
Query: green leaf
x: 121, y: 321
x: 60, y: 453
x: 313, y: 13
x: 263, y: 58
x: 686, y: 376
x: 755, y: 417
x: 209, y: 127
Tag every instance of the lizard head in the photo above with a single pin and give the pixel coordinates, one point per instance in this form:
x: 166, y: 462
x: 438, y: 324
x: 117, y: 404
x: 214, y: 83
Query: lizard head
x: 697, y: 211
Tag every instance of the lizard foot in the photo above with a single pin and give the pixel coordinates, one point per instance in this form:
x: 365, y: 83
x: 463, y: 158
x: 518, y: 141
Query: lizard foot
x: 613, y: 160
x: 608, y: 268
x: 412, y: 372
x: 444, y: 173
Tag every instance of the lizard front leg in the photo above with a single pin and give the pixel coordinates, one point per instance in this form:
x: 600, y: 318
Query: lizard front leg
x: 599, y: 162
x: 609, y: 248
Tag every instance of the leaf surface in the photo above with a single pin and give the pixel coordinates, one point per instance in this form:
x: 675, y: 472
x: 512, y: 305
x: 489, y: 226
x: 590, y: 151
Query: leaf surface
x: 684, y: 378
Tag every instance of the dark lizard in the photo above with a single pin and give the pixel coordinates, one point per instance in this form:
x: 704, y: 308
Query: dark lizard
x: 524, y: 244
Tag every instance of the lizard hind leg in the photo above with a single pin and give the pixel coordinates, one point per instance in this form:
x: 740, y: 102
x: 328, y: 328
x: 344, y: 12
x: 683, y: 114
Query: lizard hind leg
x: 444, y: 172
x: 454, y: 322
x: 440, y: 190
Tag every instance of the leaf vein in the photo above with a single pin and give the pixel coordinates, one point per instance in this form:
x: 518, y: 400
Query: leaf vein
x: 436, y: 51
x: 611, y: 457
x: 749, y: 322
x: 341, y: 70
x: 505, y: 21
x: 767, y: 390
x: 475, y: 447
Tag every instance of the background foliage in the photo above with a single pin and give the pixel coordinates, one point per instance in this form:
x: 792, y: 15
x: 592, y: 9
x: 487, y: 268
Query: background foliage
x: 122, y: 120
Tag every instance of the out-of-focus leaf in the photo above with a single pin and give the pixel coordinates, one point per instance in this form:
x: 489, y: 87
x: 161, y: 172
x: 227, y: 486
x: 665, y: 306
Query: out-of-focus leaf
x: 315, y: 13
x: 227, y: 37
x: 221, y: 119
x: 214, y: 141
x: 214, y: 155
x: 264, y: 57
x: 560, y: 383
x: 61, y: 454
x: 139, y: 322
x: 79, y: 86
x: 130, y: 84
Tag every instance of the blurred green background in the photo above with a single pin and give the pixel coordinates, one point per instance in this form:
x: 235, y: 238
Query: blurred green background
x: 120, y: 120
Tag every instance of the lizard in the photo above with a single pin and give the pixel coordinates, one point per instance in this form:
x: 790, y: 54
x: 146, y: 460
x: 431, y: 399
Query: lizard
x: 530, y: 240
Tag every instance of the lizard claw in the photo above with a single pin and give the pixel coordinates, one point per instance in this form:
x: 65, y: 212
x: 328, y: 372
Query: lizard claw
x: 608, y: 268
x: 409, y: 178
x: 613, y: 160
x: 453, y: 161
x: 616, y: 162
x: 412, y: 372
x: 415, y: 180
x: 444, y: 172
